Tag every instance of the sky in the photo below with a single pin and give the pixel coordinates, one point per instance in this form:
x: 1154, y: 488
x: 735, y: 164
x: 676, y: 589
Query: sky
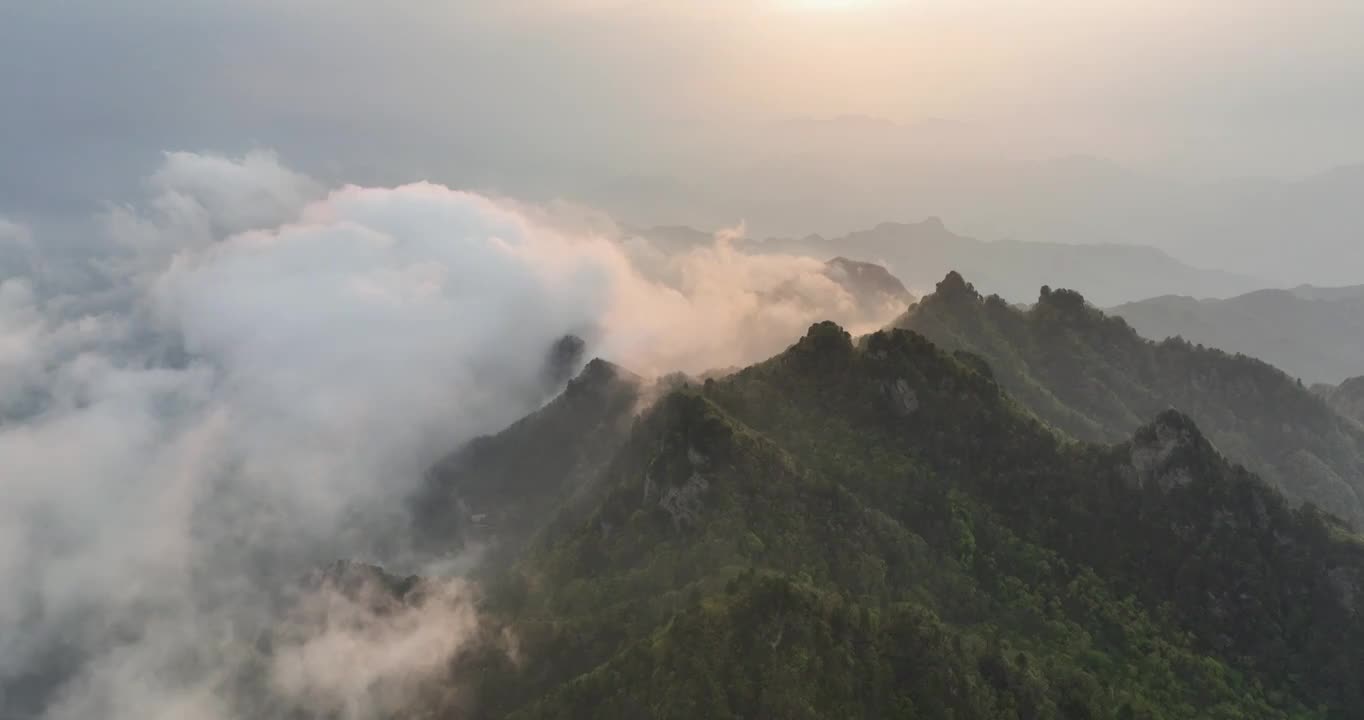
x: 1066, y: 121
x: 529, y: 93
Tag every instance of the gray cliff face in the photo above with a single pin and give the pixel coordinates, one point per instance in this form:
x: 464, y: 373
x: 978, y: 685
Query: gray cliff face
x: 684, y: 503
x: 901, y: 397
x: 1156, y: 453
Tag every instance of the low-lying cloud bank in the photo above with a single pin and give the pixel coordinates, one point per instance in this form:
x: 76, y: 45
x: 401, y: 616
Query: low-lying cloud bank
x: 243, y: 378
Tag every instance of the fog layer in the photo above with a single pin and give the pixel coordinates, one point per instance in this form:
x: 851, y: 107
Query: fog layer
x: 241, y: 377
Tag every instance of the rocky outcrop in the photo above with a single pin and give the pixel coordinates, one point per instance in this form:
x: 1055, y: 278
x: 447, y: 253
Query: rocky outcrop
x: 900, y: 397
x: 685, y: 502
x: 1162, y: 451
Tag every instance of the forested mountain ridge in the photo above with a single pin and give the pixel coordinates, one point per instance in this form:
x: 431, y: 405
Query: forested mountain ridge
x: 1093, y: 377
x: 875, y: 529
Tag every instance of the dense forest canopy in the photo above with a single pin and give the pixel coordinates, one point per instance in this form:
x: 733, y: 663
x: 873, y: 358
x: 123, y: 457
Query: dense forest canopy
x: 874, y: 528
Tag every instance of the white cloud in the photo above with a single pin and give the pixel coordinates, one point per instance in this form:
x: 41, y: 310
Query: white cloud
x: 271, y: 373
x: 356, y: 652
x: 197, y: 199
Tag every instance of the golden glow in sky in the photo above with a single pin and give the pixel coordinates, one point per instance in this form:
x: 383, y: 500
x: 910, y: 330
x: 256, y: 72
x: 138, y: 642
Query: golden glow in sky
x: 831, y: 5
x: 826, y: 4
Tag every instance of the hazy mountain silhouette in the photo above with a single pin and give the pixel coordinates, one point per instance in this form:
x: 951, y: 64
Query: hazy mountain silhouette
x: 1316, y: 334
x: 919, y: 254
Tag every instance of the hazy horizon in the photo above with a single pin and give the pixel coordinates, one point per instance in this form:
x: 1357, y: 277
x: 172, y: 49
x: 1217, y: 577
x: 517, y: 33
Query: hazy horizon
x: 1212, y: 132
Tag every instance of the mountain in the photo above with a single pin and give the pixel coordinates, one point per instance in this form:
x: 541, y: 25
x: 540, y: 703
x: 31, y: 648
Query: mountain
x: 837, y: 175
x: 921, y: 253
x: 1313, y: 333
x: 1312, y: 292
x: 1095, y: 378
x: 876, y: 293
x: 869, y: 284
x: 875, y: 529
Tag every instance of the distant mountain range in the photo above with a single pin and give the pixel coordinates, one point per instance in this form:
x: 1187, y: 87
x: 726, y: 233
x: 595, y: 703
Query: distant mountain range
x: 833, y: 175
x: 919, y: 254
x: 1312, y: 333
x: 1316, y: 334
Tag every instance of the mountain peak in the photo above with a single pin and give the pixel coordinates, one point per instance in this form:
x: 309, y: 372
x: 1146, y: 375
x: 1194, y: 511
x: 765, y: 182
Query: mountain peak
x: 826, y: 336
x: 825, y: 347
x: 1061, y: 298
x: 954, y: 286
x: 931, y: 226
x: 599, y: 374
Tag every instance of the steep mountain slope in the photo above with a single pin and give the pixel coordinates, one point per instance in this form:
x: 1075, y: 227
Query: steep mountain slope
x: 877, y: 530
x: 1348, y: 398
x: 504, y: 487
x: 1316, y: 334
x: 1095, y: 378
